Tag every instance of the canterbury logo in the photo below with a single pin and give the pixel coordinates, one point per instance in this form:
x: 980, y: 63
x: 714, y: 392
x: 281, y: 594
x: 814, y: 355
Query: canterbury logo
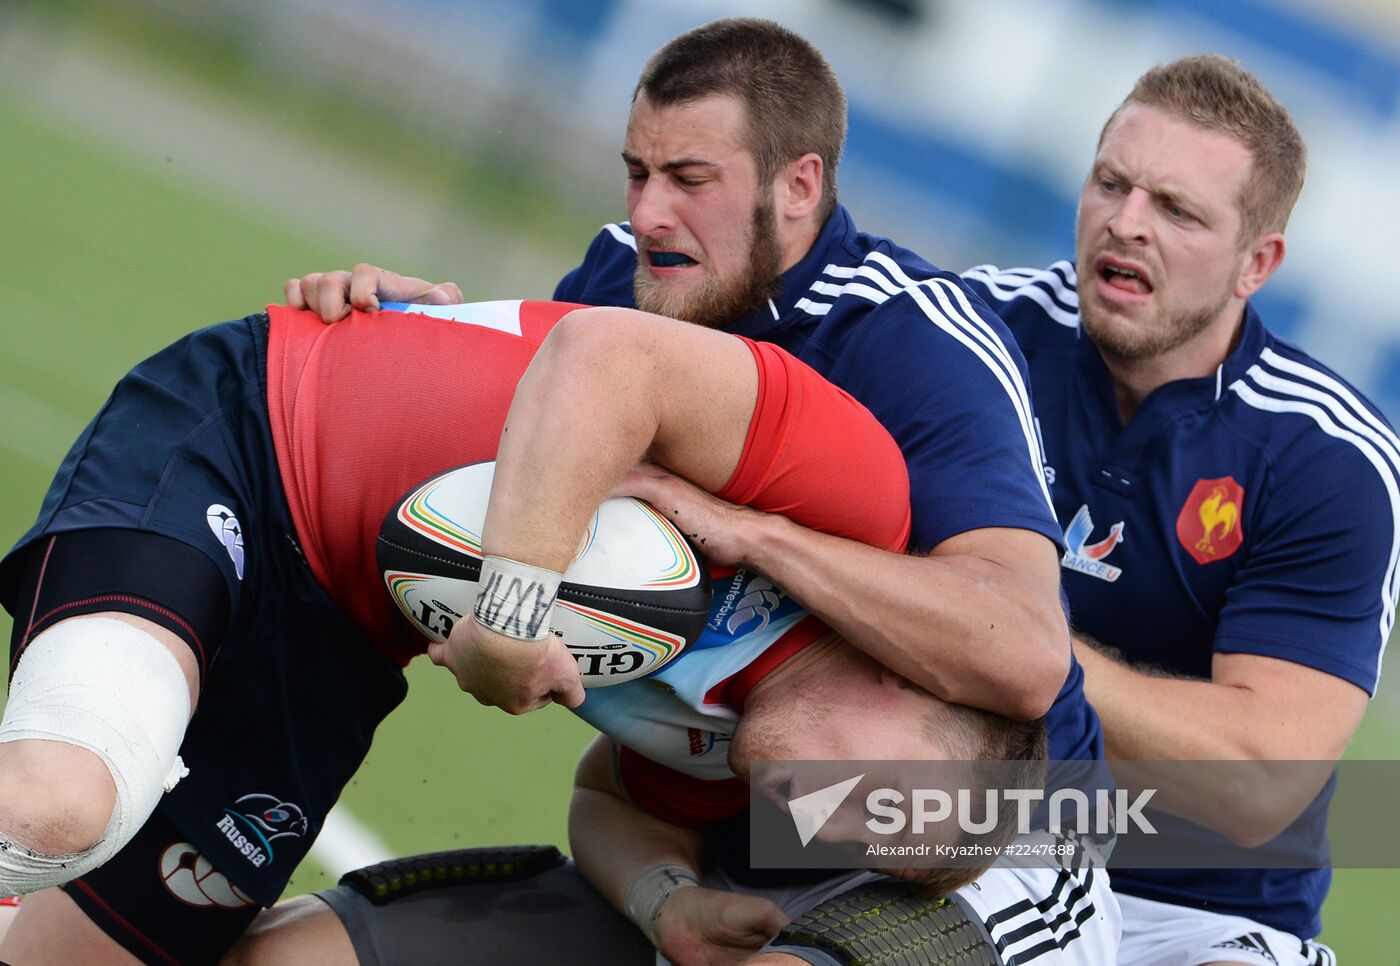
x: 229, y: 532
x: 759, y: 603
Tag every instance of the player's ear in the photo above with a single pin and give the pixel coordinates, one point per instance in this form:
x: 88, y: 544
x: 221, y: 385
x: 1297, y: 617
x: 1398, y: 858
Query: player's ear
x: 799, y: 187
x: 1263, y: 258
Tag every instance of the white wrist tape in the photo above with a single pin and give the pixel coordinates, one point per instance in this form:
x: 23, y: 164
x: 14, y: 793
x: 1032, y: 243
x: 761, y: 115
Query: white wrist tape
x: 648, y: 892
x: 516, y: 599
x: 113, y: 689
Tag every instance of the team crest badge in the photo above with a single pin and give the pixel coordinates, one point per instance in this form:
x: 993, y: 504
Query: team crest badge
x: 258, y: 820
x: 1210, y: 520
x: 1086, y: 557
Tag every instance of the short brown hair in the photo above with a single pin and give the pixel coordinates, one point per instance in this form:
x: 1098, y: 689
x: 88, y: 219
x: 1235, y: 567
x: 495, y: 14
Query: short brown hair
x: 794, y: 101
x: 1014, y: 753
x: 1219, y: 94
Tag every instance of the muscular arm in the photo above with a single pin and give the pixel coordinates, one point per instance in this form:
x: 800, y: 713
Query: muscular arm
x: 613, y: 841
x: 1252, y: 709
x: 978, y: 621
x: 607, y: 387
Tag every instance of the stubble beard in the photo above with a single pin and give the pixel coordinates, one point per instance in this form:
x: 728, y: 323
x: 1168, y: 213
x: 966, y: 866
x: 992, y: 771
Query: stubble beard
x: 1138, y: 342
x: 714, y: 303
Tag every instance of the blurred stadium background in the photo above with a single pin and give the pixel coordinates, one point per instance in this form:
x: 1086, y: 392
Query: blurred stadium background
x: 166, y: 165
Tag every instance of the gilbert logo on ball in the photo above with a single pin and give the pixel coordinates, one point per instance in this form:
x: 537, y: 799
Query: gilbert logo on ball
x: 635, y: 595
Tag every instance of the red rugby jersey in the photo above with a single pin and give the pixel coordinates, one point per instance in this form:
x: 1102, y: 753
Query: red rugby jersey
x: 364, y: 409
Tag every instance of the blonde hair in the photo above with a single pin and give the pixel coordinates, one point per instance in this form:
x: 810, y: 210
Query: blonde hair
x: 1218, y: 94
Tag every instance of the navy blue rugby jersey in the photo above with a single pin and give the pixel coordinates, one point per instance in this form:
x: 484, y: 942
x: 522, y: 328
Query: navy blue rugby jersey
x: 1251, y: 511
x: 935, y: 366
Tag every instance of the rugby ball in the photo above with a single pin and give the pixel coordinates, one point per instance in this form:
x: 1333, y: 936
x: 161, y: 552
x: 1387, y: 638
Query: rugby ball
x: 634, y: 597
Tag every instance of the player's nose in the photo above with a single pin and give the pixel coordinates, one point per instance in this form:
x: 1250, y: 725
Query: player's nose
x: 1130, y: 221
x: 652, y: 210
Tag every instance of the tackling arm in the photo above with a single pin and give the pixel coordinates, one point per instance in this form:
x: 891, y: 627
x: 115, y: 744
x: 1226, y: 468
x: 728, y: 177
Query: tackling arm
x: 1253, y: 709
x: 977, y: 621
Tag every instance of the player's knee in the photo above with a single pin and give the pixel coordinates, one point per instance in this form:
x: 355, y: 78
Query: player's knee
x: 55, y: 799
x: 91, y: 733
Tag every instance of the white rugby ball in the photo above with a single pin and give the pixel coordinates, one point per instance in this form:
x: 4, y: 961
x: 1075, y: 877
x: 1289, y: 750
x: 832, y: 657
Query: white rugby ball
x: 634, y: 597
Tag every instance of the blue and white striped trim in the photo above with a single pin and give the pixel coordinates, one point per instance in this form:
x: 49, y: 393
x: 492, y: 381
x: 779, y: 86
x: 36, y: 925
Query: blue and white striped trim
x: 1053, y: 288
x: 880, y: 278
x: 622, y: 234
x: 1289, y: 386
x: 862, y: 281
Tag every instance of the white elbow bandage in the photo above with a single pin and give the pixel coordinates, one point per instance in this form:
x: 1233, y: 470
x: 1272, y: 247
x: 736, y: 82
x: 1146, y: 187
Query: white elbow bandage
x: 117, y: 691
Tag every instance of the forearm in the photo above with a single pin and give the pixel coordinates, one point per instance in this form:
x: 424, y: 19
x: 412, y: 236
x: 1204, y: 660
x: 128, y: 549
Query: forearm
x: 1153, y: 717
x: 968, y: 629
x: 1277, y: 724
x: 612, y: 840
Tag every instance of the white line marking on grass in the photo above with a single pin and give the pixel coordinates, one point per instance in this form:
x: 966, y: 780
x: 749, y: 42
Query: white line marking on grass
x: 345, y: 844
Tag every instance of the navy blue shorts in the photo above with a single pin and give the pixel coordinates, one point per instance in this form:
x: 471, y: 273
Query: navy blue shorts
x: 292, y: 695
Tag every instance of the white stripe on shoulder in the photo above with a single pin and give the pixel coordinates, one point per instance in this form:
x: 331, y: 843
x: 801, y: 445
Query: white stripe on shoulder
x: 1336, y: 421
x: 1060, y: 276
x: 812, y: 308
x: 856, y: 283
x: 1053, y: 289
x: 1347, y: 410
x: 1334, y: 386
x: 955, y: 315
x: 622, y: 236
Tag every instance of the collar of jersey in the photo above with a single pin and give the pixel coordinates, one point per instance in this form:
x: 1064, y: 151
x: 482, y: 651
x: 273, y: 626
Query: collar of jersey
x: 838, y: 232
x: 1183, y: 395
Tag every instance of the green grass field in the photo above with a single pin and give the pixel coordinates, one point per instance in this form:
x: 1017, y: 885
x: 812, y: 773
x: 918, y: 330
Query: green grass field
x: 106, y: 259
